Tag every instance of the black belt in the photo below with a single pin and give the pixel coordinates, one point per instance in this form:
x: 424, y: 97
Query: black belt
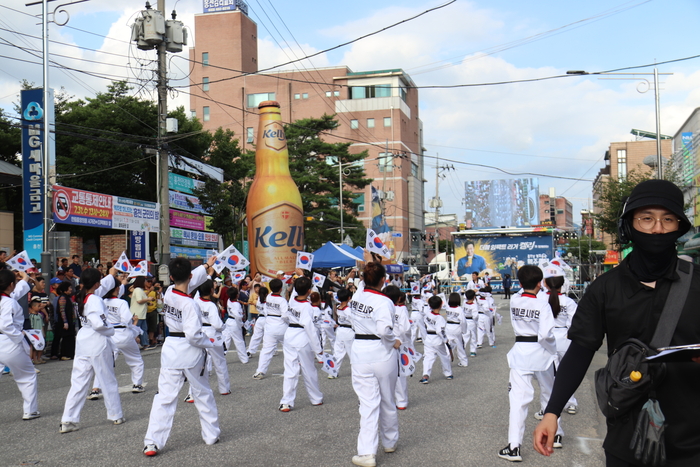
x: 345, y: 326
x: 561, y: 327
x: 274, y: 316
x: 206, y: 324
x: 295, y: 325
x: 482, y: 313
x: 119, y: 327
x: 525, y: 338
x: 469, y: 317
x: 432, y: 332
x: 176, y: 334
x: 368, y: 337
x: 453, y: 322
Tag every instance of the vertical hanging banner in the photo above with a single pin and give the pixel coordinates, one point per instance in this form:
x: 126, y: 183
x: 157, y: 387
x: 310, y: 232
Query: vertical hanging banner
x: 138, y: 244
x: 33, y: 110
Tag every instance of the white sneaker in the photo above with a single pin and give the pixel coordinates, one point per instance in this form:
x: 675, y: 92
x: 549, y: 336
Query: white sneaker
x: 150, y: 450
x: 557, y: 442
x: 258, y: 375
x: 538, y: 415
x: 285, y: 408
x: 67, y: 427
x: 367, y: 460
x: 391, y: 449
x: 189, y: 399
x: 94, y: 395
x: 136, y: 388
x: 119, y: 421
x: 572, y: 409
x: 31, y: 416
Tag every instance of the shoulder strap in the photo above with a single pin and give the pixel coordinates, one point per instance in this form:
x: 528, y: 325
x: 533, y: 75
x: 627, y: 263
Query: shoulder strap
x: 674, y: 306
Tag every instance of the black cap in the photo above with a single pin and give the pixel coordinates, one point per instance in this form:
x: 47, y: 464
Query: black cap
x: 658, y: 193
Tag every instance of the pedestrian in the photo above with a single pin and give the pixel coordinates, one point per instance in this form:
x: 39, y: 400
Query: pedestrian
x: 139, y: 307
x: 93, y: 353
x: 14, y: 348
x: 151, y: 312
x: 507, y: 284
x: 534, y: 351
x: 301, y: 343
x: 375, y: 366
x: 436, y: 343
x: 182, y: 359
x: 37, y: 318
x: 625, y: 303
x: 63, y: 345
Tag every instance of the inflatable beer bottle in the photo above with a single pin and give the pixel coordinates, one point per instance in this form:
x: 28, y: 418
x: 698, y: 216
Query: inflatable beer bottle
x: 274, y: 209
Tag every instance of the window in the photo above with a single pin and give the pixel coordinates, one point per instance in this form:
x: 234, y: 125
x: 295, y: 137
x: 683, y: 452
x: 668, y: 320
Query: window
x: 305, y: 95
x: 387, y: 121
x: 414, y: 169
x: 328, y: 94
x: 370, y: 123
x: 205, y: 112
x: 546, y: 202
x: 386, y: 162
x: 403, y: 93
x: 368, y: 92
x: 360, y: 209
x: 205, y: 84
x: 546, y: 211
x: 297, y: 96
x: 336, y: 93
x: 622, y: 164
x: 354, y: 124
x: 205, y: 58
x: 249, y: 135
x: 254, y: 100
x: 193, y: 113
x: 560, y: 211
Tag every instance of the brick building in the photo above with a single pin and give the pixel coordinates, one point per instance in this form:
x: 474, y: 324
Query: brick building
x: 377, y: 112
x: 556, y: 211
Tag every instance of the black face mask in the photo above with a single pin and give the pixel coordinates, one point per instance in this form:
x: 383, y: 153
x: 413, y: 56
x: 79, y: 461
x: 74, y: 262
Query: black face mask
x: 653, y: 254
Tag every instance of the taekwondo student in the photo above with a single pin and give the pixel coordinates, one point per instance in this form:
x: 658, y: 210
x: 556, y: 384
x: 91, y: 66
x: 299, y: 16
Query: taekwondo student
x: 475, y: 283
x: 456, y: 327
x: 344, y: 335
x: 485, y: 325
x: 235, y: 325
x: 275, y: 327
x: 212, y: 327
x: 14, y: 349
x: 259, y: 328
x: 375, y: 366
x: 94, y: 352
x: 402, y: 330
x: 471, y: 313
x: 183, y: 357
x: 436, y: 342
x: 416, y: 318
x: 534, y: 352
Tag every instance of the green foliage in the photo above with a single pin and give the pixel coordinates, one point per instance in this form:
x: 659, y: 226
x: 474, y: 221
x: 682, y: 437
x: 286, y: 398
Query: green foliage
x: 587, y: 244
x: 10, y: 140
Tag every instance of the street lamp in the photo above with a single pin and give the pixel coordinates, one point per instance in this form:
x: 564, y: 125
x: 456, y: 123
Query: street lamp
x: 659, y: 159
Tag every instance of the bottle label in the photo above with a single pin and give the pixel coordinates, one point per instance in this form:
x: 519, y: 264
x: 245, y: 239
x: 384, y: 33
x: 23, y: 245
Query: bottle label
x: 278, y: 233
x: 273, y: 136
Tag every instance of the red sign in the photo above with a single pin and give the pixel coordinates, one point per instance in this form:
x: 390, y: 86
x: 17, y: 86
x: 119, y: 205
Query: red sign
x: 611, y: 257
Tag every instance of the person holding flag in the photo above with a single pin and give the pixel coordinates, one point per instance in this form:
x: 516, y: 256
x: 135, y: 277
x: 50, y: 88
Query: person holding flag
x: 344, y: 336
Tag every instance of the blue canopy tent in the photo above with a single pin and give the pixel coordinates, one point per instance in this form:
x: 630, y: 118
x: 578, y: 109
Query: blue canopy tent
x: 331, y: 255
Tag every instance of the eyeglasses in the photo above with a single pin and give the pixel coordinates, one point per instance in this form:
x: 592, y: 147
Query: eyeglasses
x: 648, y: 222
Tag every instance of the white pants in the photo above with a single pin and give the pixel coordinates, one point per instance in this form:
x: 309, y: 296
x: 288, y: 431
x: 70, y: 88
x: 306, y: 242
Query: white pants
x: 258, y: 333
x: 300, y: 359
x: 343, y: 344
x: 274, y: 334
x: 375, y: 384
x: 417, y: 326
x: 170, y: 382
x: 218, y: 360
x: 484, y: 328
x: 454, y: 338
x: 470, y: 335
x: 84, y: 368
x: 327, y: 332
x: 234, y: 333
x: 17, y: 359
x: 401, y: 392
x: 521, y: 393
x: 132, y: 356
x: 563, y: 343
x: 433, y: 348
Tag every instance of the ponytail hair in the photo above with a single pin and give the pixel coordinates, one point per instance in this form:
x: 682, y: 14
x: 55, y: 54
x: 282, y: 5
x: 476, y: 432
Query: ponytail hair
x: 7, y: 278
x: 554, y: 284
x: 88, y: 278
x: 262, y: 294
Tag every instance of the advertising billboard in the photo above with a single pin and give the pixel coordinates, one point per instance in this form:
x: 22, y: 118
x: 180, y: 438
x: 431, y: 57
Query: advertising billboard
x: 498, y: 203
x: 499, y: 255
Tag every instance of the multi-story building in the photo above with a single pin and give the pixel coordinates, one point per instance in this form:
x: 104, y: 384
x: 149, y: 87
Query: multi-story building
x: 377, y: 112
x: 684, y: 163
x: 556, y: 211
x: 621, y: 159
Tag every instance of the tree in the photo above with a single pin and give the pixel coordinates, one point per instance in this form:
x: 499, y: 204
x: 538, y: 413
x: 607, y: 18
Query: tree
x: 586, y: 244
x: 314, y: 167
x: 10, y: 140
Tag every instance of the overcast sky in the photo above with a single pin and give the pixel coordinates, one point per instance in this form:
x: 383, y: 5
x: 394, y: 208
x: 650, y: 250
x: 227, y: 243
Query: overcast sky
x: 555, y: 128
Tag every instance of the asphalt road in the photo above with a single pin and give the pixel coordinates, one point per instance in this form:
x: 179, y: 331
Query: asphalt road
x: 463, y: 422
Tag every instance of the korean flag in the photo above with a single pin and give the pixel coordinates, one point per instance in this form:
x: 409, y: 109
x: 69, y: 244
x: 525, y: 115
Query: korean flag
x: 318, y: 280
x: 406, y: 364
x: 140, y: 269
x: 415, y: 288
x: 233, y: 259
x: 219, y: 265
x: 20, y: 261
x: 304, y: 260
x: 330, y: 366
x: 376, y: 245
x: 237, y: 276
x: 123, y: 264
x: 35, y: 338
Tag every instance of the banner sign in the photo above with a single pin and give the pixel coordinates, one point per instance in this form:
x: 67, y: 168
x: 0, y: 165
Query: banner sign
x: 137, y: 244
x: 185, y: 202
x: 195, y: 167
x: 183, y: 184
x: 499, y: 255
x: 189, y: 220
x: 79, y: 207
x: 188, y: 252
x: 193, y: 238
x: 215, y: 6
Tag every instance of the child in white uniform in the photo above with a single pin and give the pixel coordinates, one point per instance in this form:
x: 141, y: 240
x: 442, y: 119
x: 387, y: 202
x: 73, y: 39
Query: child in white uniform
x: 259, y: 329
x: 416, y: 318
x: 94, y: 354
x: 213, y: 327
x: 484, y: 302
x: 301, y: 343
x: 182, y: 358
x: 344, y: 335
x: 375, y: 367
x: 235, y: 325
x: 534, y: 352
x: 435, y: 344
x: 275, y: 327
x: 471, y: 313
x: 402, y: 330
x: 456, y: 328
x: 14, y: 349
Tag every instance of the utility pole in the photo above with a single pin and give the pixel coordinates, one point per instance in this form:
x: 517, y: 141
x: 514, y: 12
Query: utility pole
x: 340, y: 196
x: 163, y: 189
x: 438, y: 203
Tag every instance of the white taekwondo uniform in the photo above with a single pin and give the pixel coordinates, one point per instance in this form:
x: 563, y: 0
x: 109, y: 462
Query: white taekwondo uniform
x: 212, y: 327
x: 258, y: 329
x: 183, y: 356
x: 416, y: 318
x: 402, y: 330
x: 234, y: 329
x: 120, y: 317
x: 475, y: 286
x: 327, y: 325
x: 301, y: 346
x: 344, y: 335
x: 434, y: 345
x: 486, y: 306
x: 534, y: 352
x: 14, y: 349
x: 471, y: 314
x: 456, y: 328
x: 275, y: 328
x: 375, y: 367
x: 94, y: 356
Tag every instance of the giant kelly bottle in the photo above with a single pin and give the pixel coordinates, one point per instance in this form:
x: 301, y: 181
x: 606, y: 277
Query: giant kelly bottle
x: 274, y: 209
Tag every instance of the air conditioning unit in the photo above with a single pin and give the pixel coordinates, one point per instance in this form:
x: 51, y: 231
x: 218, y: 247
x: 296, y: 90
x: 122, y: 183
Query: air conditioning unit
x: 389, y: 196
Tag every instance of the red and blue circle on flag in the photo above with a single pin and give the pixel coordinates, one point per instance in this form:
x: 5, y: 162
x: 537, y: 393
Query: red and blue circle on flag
x: 330, y: 363
x: 233, y: 260
x: 378, y: 243
x: 304, y: 259
x: 404, y: 359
